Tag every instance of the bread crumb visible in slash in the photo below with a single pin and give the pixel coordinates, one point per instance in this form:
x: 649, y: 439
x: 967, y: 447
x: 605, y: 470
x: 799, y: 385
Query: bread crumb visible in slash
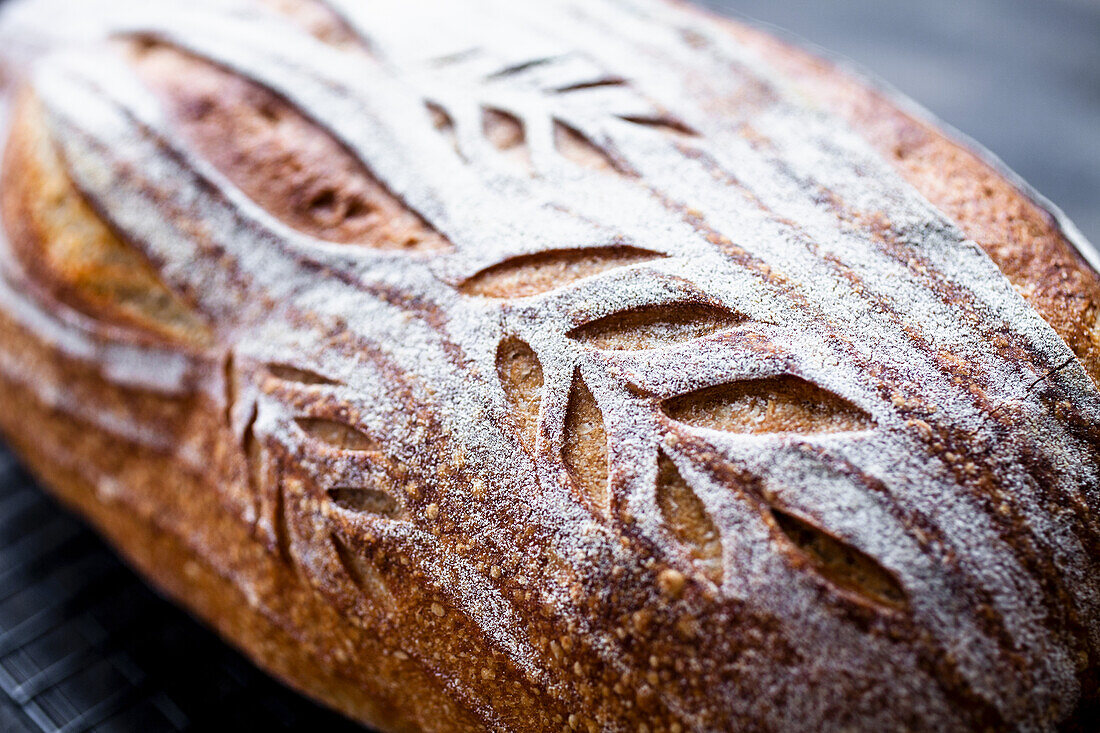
x: 437, y: 610
x: 432, y: 511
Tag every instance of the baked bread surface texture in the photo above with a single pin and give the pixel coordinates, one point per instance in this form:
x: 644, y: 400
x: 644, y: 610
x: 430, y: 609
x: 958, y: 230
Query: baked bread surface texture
x: 562, y: 366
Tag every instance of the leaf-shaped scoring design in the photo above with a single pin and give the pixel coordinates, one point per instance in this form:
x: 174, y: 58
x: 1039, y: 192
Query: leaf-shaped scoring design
x: 505, y: 132
x: 585, y: 448
x: 536, y: 273
x: 840, y: 563
x: 443, y: 122
x: 521, y: 377
x: 771, y: 405
x: 582, y: 151
x: 366, y: 499
x: 653, y: 327
x: 272, y: 520
x: 687, y: 519
x: 664, y: 123
x: 543, y: 105
x: 65, y: 245
x: 254, y: 137
x: 678, y: 175
x: 336, y: 434
x: 607, y: 81
x: 364, y: 574
x: 287, y: 373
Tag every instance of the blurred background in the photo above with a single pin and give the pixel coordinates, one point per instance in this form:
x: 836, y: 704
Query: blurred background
x: 84, y: 645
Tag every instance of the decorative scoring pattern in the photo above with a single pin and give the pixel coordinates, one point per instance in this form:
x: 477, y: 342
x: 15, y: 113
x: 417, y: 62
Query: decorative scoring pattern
x: 637, y: 410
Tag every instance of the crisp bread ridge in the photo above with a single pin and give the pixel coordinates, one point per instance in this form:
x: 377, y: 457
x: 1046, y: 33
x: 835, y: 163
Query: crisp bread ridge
x: 946, y: 442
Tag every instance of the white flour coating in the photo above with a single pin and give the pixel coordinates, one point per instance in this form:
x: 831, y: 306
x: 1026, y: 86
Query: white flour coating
x: 763, y: 201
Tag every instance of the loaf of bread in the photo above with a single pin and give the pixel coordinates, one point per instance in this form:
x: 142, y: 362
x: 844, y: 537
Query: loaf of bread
x: 574, y: 365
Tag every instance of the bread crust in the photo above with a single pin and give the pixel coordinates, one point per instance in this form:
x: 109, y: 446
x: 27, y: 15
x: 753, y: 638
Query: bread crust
x: 502, y: 508
x: 1024, y: 239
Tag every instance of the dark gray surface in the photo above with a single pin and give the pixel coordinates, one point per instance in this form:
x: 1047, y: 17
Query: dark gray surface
x: 85, y: 646
x: 1022, y: 77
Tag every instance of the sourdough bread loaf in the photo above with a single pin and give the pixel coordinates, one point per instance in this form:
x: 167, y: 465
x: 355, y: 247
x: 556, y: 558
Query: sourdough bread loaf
x: 599, y: 365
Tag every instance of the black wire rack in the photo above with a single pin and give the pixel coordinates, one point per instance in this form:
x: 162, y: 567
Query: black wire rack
x: 86, y: 646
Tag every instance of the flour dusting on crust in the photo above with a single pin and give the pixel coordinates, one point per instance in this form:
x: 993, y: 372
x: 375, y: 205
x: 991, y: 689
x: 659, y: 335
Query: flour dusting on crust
x: 977, y: 427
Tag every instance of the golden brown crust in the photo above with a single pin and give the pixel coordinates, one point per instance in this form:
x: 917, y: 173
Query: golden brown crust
x: 68, y: 249
x: 277, y: 156
x: 1022, y: 238
x: 162, y: 519
x: 602, y: 560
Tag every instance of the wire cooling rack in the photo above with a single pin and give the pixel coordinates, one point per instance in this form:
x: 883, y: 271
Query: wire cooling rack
x: 86, y: 646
